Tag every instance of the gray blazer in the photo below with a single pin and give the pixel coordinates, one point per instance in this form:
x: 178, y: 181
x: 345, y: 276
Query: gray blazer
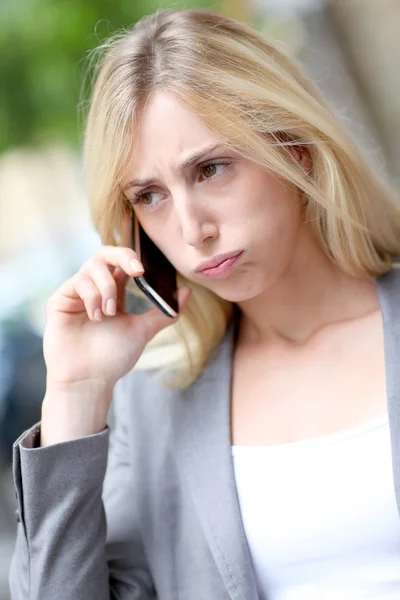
x: 167, y: 522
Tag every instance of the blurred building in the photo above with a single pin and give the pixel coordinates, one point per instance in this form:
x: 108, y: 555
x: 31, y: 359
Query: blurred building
x: 369, y: 34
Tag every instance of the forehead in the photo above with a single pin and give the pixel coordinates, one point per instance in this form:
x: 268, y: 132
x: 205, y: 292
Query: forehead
x: 167, y: 131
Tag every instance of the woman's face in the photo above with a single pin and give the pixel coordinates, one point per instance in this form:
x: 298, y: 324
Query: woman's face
x: 195, y: 207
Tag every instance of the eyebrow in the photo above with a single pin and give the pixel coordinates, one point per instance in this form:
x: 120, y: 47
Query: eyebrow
x: 188, y: 162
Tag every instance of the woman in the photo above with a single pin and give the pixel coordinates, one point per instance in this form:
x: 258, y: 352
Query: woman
x: 264, y: 470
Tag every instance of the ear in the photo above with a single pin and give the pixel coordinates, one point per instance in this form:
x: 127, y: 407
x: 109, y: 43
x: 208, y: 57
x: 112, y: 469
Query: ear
x: 302, y: 155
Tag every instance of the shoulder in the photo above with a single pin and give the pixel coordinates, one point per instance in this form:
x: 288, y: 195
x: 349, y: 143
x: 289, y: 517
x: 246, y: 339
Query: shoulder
x: 144, y: 393
x: 141, y: 395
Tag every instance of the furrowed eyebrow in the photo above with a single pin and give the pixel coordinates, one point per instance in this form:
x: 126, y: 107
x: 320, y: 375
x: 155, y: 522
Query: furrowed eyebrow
x: 188, y: 162
x: 197, y: 156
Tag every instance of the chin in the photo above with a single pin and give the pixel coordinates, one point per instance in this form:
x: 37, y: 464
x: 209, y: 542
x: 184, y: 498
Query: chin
x: 236, y: 298
x: 238, y: 291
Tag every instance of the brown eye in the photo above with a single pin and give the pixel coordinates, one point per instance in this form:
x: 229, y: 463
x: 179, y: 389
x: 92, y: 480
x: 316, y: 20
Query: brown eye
x: 209, y: 170
x: 146, y: 198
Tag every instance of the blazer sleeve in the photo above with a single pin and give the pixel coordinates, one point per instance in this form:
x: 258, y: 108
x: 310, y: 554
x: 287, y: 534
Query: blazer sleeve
x: 78, y: 534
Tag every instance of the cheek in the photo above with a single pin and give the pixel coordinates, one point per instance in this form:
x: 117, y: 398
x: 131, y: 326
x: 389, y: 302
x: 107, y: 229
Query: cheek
x: 273, y: 214
x: 171, y: 247
x: 159, y: 236
x: 283, y: 219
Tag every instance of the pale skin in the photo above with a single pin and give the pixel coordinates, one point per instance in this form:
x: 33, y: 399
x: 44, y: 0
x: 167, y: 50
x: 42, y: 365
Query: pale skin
x: 309, y: 356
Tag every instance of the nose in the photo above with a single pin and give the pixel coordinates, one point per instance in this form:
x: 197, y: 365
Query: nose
x: 196, y: 221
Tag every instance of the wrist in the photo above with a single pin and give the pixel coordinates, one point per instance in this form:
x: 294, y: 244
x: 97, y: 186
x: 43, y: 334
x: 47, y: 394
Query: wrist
x: 80, y: 387
x: 71, y: 411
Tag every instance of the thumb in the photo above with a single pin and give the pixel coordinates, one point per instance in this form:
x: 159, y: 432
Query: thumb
x: 154, y: 320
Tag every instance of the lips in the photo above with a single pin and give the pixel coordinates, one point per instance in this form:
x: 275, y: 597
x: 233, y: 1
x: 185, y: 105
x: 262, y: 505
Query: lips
x: 216, y: 260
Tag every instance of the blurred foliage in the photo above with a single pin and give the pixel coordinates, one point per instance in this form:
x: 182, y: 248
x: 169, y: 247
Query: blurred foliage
x: 43, y: 45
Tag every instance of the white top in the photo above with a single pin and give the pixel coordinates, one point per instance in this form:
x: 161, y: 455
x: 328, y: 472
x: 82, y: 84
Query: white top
x: 320, y: 516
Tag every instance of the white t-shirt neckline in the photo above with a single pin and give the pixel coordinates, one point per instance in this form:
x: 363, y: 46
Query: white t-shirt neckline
x: 311, y: 443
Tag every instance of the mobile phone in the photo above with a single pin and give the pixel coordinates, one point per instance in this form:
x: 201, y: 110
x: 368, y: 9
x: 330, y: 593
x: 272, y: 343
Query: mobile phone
x: 158, y: 281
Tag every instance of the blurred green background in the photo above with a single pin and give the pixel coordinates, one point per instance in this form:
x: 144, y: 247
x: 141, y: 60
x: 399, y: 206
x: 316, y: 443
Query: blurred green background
x: 43, y: 46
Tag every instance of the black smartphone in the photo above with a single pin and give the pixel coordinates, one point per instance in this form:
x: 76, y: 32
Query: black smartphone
x: 158, y: 281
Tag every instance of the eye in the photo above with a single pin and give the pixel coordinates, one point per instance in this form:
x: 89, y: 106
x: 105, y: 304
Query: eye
x: 214, y: 169
x: 149, y: 200
x: 146, y: 198
x: 209, y: 170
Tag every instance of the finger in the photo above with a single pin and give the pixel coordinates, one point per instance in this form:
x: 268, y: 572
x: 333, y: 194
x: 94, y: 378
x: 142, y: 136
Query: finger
x: 91, y: 295
x: 74, y: 292
x: 100, y: 274
x: 99, y: 270
x: 122, y: 257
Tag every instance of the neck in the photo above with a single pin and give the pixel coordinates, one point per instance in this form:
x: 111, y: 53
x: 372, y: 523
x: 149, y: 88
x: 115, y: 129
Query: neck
x: 310, y: 294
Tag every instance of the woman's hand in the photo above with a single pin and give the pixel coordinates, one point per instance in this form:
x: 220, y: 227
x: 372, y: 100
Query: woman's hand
x: 90, y: 342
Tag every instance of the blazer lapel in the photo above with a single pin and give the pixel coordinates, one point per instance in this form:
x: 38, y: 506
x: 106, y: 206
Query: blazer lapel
x: 388, y: 288
x: 204, y: 456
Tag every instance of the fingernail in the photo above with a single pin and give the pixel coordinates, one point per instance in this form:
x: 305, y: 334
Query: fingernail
x: 136, y: 266
x: 111, y: 306
x: 97, y: 314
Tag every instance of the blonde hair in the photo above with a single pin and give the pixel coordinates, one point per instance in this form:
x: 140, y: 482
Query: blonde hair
x: 260, y: 101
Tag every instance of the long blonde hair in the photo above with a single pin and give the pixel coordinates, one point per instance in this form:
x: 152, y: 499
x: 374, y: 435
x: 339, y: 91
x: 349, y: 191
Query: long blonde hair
x: 260, y: 100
